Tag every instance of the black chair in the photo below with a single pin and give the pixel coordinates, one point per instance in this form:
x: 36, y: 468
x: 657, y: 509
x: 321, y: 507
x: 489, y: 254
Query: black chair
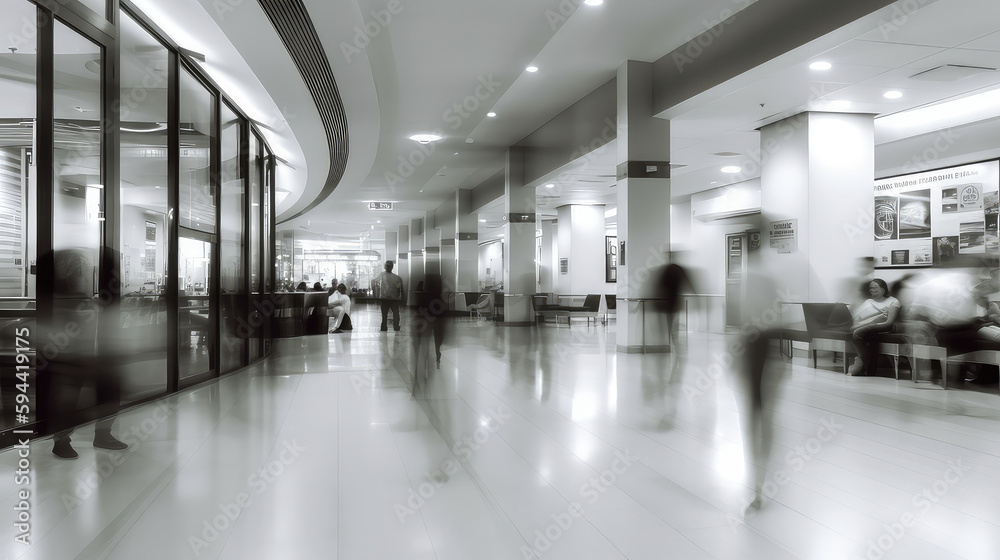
x: 829, y: 328
x: 590, y: 309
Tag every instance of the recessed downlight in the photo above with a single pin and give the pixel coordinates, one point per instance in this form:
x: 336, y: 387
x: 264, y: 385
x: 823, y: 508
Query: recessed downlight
x: 531, y: 69
x: 820, y: 65
x: 731, y: 169
x: 593, y: 2
x: 482, y: 220
x: 549, y: 186
x: 425, y: 138
x: 491, y: 114
x: 892, y: 94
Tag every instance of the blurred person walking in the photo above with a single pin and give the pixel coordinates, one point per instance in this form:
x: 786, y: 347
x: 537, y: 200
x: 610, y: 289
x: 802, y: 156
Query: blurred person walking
x: 87, y: 341
x: 428, y: 329
x: 758, y: 380
x: 389, y: 291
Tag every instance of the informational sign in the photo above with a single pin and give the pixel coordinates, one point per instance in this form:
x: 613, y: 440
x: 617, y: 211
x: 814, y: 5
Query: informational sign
x: 380, y: 206
x: 563, y: 266
x: 942, y: 218
x: 753, y: 240
x: 783, y: 235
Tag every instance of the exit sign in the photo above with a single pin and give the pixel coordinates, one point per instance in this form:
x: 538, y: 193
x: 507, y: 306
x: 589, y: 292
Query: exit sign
x: 380, y: 206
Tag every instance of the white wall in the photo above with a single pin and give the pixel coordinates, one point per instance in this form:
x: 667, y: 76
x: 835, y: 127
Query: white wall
x: 581, y: 239
x: 490, y: 257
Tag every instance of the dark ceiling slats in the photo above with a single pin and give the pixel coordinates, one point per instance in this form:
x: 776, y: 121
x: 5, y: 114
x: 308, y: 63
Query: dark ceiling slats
x: 293, y: 24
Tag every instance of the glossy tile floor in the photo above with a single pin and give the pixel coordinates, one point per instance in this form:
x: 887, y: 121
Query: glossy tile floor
x: 526, y: 443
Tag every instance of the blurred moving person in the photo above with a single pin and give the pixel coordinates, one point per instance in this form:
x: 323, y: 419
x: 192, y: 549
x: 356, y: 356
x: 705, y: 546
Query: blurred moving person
x: 758, y: 379
x: 428, y: 329
x: 84, y: 332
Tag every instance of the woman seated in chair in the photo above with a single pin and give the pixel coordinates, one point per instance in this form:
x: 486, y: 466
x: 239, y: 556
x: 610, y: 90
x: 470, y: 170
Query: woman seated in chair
x: 876, y: 315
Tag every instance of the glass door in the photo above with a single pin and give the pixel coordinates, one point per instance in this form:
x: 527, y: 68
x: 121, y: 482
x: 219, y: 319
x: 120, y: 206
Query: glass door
x: 196, y: 323
x: 736, y: 265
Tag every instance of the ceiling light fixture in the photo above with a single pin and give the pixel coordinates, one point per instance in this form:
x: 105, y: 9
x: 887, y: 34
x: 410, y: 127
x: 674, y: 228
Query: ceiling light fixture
x: 593, y: 2
x: 549, y: 186
x: 892, y: 94
x: 820, y: 65
x: 482, y: 220
x: 731, y: 169
x: 425, y: 138
x: 491, y: 114
x: 532, y: 69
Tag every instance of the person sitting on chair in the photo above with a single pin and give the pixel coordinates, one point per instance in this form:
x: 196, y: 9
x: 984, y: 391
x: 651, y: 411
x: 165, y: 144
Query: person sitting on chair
x: 876, y: 315
x: 340, y: 308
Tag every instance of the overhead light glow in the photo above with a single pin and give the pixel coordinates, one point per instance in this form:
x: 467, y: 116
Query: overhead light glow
x: 482, y: 220
x: 731, y: 169
x: 425, y: 138
x: 892, y: 94
x: 820, y: 65
x: 549, y: 186
x: 532, y: 69
x: 491, y: 114
x: 593, y: 2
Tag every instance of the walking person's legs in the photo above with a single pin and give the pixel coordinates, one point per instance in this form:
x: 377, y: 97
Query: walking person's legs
x: 385, y: 314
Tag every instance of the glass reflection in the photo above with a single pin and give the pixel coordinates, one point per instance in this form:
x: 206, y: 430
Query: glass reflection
x: 144, y: 239
x: 17, y: 195
x: 195, y: 340
x: 233, y: 304
x: 197, y: 116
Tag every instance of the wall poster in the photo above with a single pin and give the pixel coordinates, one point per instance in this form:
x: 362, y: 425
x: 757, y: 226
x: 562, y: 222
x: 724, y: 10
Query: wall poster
x: 945, y: 217
x: 610, y: 259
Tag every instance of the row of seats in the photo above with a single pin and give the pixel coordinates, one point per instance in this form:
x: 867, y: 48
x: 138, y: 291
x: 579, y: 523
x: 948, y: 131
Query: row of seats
x: 828, y: 328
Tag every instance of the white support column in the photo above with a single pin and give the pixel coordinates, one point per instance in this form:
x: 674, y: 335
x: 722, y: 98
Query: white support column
x: 519, y: 243
x: 643, y: 147
x: 416, y: 259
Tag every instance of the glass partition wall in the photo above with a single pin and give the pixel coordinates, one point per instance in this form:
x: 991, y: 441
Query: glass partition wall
x: 131, y: 191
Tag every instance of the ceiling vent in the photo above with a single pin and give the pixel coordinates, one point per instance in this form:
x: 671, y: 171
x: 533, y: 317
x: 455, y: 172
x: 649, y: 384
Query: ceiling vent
x: 950, y: 73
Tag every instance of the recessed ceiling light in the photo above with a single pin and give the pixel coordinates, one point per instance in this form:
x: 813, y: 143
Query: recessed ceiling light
x: 456, y: 153
x: 549, y: 186
x: 532, y: 69
x: 482, y: 220
x: 425, y: 138
x: 593, y: 2
x: 892, y: 94
x: 421, y: 190
x: 820, y: 66
x: 469, y: 140
x: 491, y: 114
x: 731, y: 169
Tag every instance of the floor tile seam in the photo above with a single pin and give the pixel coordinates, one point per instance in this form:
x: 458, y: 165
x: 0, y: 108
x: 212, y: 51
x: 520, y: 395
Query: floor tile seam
x: 264, y: 460
x: 125, y: 523
x: 853, y: 538
x: 570, y: 452
x: 667, y: 446
x: 895, y: 429
x: 163, y: 480
x: 502, y: 520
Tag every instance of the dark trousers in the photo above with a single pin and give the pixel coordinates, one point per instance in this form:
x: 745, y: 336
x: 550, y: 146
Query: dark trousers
x: 867, y: 346
x: 60, y: 391
x: 387, y: 305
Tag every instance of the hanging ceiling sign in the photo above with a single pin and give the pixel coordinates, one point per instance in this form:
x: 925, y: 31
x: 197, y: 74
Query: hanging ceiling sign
x: 380, y: 206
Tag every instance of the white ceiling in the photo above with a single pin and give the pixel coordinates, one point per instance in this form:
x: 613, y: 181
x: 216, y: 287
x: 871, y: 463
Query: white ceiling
x: 409, y: 75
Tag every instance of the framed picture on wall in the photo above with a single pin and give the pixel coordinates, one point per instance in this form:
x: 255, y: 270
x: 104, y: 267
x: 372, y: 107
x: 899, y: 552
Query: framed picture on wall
x: 610, y: 259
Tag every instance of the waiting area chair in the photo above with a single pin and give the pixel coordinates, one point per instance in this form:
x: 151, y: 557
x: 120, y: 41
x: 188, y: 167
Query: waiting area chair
x: 481, y: 304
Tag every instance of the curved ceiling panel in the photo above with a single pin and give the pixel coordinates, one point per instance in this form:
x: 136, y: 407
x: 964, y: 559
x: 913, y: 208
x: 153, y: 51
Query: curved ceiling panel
x: 296, y: 30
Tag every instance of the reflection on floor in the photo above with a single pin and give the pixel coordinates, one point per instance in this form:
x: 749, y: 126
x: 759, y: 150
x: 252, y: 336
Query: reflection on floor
x: 526, y: 443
